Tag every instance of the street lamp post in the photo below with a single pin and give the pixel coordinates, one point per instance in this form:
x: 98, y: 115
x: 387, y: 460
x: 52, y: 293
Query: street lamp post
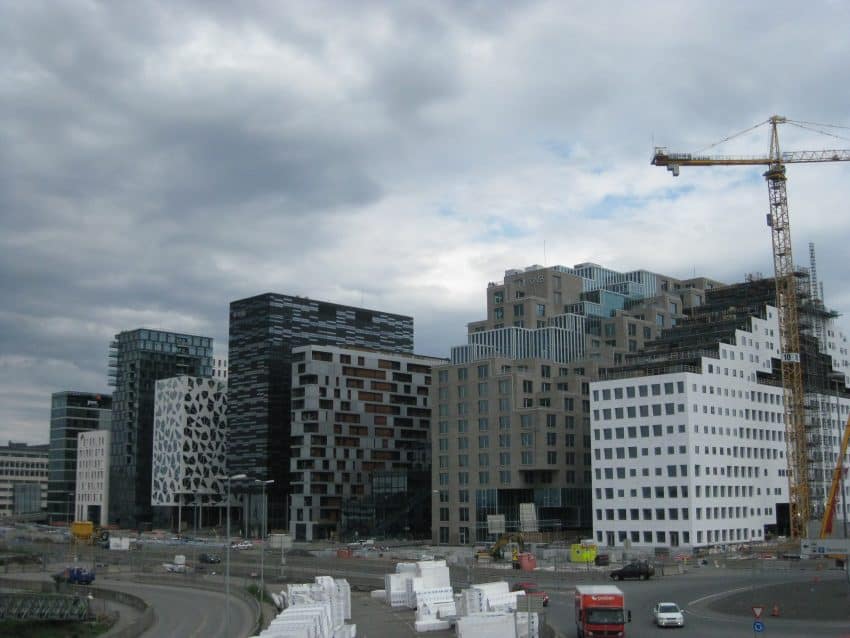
x: 263, y: 534
x: 227, y: 560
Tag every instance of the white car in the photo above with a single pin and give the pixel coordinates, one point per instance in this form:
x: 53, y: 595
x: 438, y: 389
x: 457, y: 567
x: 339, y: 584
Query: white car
x: 668, y: 615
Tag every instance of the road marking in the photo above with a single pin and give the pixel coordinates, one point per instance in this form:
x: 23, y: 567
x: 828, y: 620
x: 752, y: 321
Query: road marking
x: 718, y: 594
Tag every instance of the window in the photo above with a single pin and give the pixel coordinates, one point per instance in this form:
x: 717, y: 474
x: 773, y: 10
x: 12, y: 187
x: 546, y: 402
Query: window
x: 519, y: 310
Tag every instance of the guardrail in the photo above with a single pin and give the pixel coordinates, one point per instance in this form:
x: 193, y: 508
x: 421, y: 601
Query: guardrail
x: 135, y: 629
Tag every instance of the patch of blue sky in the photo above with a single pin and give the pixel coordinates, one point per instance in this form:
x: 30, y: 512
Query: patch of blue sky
x: 610, y: 205
x: 447, y: 210
x: 496, y: 228
x: 559, y: 148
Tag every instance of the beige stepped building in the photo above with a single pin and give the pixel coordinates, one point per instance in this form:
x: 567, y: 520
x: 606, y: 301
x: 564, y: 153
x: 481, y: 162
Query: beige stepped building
x: 512, y: 408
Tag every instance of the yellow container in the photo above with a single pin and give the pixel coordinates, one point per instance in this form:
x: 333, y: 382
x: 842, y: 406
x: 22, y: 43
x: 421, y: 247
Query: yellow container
x: 581, y: 553
x: 82, y: 530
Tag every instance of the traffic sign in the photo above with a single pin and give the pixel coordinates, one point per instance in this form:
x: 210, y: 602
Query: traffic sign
x: 757, y: 612
x: 758, y: 626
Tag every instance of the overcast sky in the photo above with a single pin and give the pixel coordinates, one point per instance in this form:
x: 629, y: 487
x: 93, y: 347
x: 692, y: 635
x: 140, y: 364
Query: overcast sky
x: 159, y: 160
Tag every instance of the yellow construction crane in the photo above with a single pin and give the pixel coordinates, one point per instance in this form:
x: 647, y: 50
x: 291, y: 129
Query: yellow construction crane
x: 837, y: 475
x: 786, y: 291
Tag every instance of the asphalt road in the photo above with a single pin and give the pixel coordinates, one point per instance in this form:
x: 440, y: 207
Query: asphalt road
x: 695, y: 591
x: 189, y: 613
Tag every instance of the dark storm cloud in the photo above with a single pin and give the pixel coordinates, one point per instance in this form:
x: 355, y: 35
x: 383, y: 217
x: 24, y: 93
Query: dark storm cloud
x: 160, y: 159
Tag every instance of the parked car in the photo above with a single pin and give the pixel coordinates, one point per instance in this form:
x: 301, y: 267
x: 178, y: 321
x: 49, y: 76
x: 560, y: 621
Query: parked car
x: 531, y: 589
x: 211, y: 559
x: 75, y: 576
x: 641, y: 570
x: 668, y: 615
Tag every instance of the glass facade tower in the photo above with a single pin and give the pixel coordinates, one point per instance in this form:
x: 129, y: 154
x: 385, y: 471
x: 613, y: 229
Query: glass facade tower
x: 263, y: 331
x: 138, y: 358
x: 70, y: 414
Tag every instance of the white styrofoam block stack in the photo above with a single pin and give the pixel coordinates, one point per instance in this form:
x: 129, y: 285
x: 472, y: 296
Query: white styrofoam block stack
x: 504, y: 602
x: 431, y: 624
x: 314, y: 610
x: 402, y: 568
x: 345, y: 631
x: 396, y: 587
x: 522, y: 624
x: 486, y: 625
x: 344, y: 593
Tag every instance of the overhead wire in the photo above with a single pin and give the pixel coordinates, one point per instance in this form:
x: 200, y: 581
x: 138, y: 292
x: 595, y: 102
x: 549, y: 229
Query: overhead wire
x: 810, y: 128
x: 733, y: 136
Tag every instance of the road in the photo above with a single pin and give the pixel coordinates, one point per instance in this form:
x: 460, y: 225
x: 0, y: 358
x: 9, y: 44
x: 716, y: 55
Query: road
x: 689, y: 590
x: 188, y: 613
x: 693, y: 591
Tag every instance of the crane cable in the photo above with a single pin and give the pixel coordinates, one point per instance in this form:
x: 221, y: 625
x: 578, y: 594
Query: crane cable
x: 732, y: 137
x: 810, y: 128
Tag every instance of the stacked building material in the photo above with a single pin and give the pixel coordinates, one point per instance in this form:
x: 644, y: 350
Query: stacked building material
x: 314, y: 610
x: 498, y: 625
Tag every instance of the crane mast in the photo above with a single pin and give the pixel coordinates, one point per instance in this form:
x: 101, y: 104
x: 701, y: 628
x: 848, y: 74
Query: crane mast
x: 786, y: 300
x: 796, y: 454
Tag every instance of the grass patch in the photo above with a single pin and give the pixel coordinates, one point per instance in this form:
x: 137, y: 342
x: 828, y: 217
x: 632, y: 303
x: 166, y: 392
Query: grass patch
x: 53, y: 629
x: 254, y: 590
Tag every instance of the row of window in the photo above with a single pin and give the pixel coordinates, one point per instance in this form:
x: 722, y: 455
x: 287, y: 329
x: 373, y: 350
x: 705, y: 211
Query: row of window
x: 676, y: 491
x: 661, y: 537
x: 527, y: 457
x: 674, y: 513
x: 462, y: 425
x: 641, y: 390
x: 505, y: 477
x: 483, y: 372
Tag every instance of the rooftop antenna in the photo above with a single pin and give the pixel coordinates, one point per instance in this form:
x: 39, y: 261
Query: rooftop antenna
x: 544, y: 252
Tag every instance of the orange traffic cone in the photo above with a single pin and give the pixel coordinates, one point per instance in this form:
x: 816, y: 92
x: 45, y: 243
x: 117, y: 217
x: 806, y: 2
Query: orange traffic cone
x: 775, y: 611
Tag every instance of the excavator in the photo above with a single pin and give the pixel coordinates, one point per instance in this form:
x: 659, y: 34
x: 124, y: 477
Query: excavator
x: 510, y: 544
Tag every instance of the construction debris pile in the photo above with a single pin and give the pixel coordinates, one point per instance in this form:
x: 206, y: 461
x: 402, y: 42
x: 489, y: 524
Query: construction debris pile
x: 313, y: 610
x: 486, y: 610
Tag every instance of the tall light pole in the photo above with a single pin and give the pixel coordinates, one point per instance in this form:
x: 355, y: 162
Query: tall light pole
x: 263, y: 534
x: 227, y: 560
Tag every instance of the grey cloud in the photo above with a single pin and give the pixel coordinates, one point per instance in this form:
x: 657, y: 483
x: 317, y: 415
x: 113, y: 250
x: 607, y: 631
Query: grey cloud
x: 141, y: 181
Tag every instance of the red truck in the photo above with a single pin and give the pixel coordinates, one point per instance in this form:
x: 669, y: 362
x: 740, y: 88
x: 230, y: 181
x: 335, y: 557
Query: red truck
x: 600, y: 611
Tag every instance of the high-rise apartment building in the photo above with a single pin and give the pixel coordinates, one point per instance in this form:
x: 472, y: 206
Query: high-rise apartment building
x: 138, y: 359
x: 23, y: 479
x: 220, y: 367
x: 189, y: 443
x: 512, y: 409
x: 70, y: 414
x: 689, y: 436
x: 92, y: 496
x: 263, y: 331
x: 361, y: 449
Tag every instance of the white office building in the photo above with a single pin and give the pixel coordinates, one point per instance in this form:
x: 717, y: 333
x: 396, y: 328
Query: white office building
x: 189, y: 442
x: 92, y: 484
x: 695, y: 455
